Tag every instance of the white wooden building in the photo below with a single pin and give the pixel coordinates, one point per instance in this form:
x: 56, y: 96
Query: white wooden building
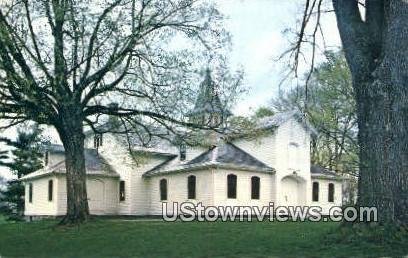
x: 274, y: 167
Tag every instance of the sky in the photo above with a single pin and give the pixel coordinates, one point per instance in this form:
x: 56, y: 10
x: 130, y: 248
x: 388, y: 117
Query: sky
x: 258, y: 40
x: 257, y: 29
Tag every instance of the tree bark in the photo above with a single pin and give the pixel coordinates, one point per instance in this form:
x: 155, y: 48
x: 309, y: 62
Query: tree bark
x: 72, y: 137
x: 377, y: 53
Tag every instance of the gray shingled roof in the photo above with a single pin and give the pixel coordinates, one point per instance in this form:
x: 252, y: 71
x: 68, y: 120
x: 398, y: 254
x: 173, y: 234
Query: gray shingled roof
x: 226, y: 155
x: 94, y: 164
x: 317, y: 171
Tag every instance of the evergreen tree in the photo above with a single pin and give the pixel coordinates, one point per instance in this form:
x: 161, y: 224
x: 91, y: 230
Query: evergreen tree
x: 24, y: 158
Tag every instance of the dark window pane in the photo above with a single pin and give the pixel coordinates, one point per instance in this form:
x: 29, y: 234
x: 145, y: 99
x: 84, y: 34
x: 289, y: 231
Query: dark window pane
x: 50, y: 190
x: 30, y: 193
x: 232, y: 186
x: 122, y: 191
x: 46, y: 158
x: 255, y: 187
x: 191, y: 186
x: 315, y: 192
x: 163, y: 189
x: 331, y: 193
x: 97, y: 140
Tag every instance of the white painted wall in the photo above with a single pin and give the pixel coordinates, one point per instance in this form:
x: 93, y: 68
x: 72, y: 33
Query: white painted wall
x: 103, y: 199
x: 324, y: 194
x: 277, y: 150
x: 267, y: 184
x: 40, y: 204
x: 106, y: 205
x: 177, y: 190
x: 131, y: 171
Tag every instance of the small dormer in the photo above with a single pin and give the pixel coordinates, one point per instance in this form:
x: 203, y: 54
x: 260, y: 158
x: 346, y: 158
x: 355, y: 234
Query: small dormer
x: 208, y: 110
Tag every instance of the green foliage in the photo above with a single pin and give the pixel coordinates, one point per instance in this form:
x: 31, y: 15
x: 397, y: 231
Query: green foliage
x: 332, y: 111
x: 262, y: 112
x: 245, y: 127
x: 25, y: 158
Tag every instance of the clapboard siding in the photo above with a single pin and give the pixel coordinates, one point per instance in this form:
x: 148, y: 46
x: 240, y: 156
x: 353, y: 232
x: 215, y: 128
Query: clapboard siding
x: 324, y: 194
x: 40, y: 204
x: 58, y: 206
x: 267, y: 184
x: 177, y: 190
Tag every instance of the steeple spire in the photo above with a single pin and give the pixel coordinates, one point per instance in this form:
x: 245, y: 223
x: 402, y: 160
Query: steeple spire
x: 208, y: 108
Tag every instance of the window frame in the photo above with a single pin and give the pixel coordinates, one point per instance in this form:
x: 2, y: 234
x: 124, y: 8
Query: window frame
x: 232, y: 192
x: 50, y: 190
x: 315, y: 195
x: 30, y: 192
x: 122, y: 191
x: 191, y: 192
x: 330, y: 192
x: 255, y: 191
x: 163, y: 189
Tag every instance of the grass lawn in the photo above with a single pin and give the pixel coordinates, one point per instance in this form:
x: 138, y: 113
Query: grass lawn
x: 115, y: 238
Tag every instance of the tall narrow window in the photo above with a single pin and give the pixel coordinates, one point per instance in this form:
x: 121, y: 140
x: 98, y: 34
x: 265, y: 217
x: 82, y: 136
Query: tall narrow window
x: 46, y: 158
x: 183, y: 152
x: 98, y: 141
x: 331, y: 193
x: 255, y: 187
x: 122, y: 191
x: 191, y: 187
x: 315, y: 195
x: 232, y: 186
x: 163, y: 189
x: 50, y: 190
x: 30, y: 192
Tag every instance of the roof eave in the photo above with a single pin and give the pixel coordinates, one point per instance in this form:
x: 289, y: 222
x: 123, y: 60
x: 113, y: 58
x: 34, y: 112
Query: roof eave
x: 211, y: 165
x: 330, y: 177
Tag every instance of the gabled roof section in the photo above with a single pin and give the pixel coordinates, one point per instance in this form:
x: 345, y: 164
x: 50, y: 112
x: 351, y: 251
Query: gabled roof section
x: 208, y: 101
x: 317, y: 171
x: 94, y: 165
x: 226, y: 155
x: 282, y: 117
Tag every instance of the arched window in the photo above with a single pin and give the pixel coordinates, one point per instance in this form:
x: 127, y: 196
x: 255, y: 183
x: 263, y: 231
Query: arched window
x: 122, y: 193
x: 331, y: 193
x: 30, y: 192
x: 50, y: 190
x: 191, y: 187
x: 232, y: 186
x: 255, y: 187
x: 163, y: 189
x: 315, y: 195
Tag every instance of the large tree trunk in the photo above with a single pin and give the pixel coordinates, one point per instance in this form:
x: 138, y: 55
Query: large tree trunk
x: 395, y: 65
x: 377, y: 53
x: 72, y: 137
